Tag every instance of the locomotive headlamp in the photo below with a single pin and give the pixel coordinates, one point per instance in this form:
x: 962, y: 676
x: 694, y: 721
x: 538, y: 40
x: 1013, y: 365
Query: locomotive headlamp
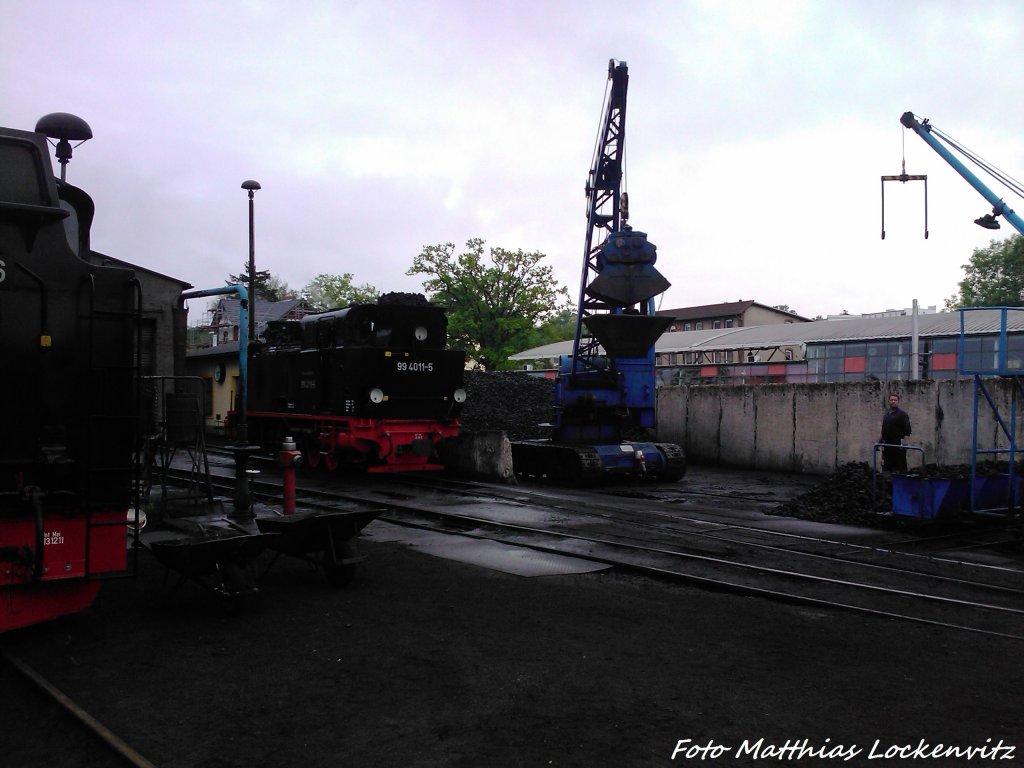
x: 420, y: 333
x: 376, y: 395
x: 459, y: 395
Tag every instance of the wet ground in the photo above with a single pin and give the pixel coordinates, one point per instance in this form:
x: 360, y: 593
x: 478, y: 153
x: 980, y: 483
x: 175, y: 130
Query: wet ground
x: 427, y: 661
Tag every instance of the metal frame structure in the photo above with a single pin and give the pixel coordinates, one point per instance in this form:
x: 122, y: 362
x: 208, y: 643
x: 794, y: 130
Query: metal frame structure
x: 603, y: 185
x: 938, y: 141
x: 1007, y: 427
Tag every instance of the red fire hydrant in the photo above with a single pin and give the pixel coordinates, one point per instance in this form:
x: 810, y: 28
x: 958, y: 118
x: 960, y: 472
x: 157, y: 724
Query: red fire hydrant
x: 289, y: 459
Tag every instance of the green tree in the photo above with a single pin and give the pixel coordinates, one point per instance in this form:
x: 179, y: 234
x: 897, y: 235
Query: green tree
x: 560, y: 327
x: 329, y: 291
x: 994, y: 277
x: 267, y: 287
x: 493, y: 308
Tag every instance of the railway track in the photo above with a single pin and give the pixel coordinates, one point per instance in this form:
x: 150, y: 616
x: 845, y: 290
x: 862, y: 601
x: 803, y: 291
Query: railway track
x: 713, y: 544
x: 79, y: 732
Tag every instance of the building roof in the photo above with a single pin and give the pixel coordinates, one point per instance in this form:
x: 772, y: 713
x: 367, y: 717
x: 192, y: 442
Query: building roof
x: 975, y: 321
x: 726, y: 309
x: 224, y: 349
x: 264, y: 310
x: 103, y: 258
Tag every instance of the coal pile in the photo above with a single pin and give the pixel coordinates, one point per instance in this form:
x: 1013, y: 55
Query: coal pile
x: 846, y: 496
x: 515, y: 403
x: 851, y: 496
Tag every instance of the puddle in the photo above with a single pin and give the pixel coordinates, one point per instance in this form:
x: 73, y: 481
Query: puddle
x: 507, y: 558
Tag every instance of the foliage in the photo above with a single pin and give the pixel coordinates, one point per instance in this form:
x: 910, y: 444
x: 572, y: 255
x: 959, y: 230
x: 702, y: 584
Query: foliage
x: 994, y: 277
x: 560, y: 327
x: 267, y: 287
x: 330, y: 291
x: 493, y: 309
x: 198, y: 337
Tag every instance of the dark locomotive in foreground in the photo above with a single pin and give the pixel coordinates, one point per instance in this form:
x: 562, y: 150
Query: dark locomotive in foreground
x: 69, y: 335
x: 370, y: 385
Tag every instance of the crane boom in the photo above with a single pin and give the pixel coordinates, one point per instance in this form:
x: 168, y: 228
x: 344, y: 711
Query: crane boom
x: 604, y: 183
x: 999, y: 207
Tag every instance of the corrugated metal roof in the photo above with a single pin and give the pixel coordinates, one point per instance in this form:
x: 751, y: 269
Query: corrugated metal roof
x: 976, y: 321
x: 725, y: 309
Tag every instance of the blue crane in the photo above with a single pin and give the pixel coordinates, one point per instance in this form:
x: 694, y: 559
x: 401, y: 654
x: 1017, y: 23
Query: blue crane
x: 932, y: 136
x: 605, y: 390
x: 999, y: 366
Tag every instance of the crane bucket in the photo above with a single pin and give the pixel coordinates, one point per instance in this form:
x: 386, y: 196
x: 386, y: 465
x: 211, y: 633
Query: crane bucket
x: 627, y: 335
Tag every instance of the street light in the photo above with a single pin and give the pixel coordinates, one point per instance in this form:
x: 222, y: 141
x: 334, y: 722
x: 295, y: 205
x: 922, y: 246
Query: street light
x: 252, y: 186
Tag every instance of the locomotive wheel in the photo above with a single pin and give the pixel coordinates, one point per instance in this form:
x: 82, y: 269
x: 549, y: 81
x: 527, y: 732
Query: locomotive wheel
x: 331, y: 461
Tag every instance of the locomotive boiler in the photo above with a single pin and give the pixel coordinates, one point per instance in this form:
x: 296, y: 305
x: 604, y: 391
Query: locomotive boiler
x: 371, y: 386
x: 69, y: 334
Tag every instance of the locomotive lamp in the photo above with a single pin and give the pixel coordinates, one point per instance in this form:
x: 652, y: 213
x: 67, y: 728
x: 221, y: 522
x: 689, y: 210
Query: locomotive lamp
x: 65, y: 128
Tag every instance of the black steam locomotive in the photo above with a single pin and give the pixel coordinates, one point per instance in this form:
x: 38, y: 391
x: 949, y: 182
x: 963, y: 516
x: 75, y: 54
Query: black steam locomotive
x: 69, y: 331
x: 370, y: 385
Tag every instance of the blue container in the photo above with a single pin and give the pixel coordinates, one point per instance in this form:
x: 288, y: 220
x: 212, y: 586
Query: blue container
x: 928, y: 498
x: 990, y: 492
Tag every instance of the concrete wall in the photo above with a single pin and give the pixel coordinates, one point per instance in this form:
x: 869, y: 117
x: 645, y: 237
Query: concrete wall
x: 814, y: 428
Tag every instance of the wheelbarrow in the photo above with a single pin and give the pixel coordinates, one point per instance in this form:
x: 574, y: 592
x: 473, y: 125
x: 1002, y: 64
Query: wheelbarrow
x: 326, y: 540
x: 220, y: 560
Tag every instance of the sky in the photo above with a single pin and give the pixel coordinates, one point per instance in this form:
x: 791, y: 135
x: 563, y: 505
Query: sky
x: 756, y: 135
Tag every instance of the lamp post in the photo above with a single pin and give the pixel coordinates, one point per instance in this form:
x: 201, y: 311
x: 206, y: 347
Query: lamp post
x: 252, y: 186
x: 243, y: 497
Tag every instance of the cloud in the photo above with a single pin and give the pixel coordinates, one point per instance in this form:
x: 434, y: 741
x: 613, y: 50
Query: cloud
x: 756, y: 134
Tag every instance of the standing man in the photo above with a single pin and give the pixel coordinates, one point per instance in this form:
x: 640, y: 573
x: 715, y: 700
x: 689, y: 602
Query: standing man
x: 895, y: 427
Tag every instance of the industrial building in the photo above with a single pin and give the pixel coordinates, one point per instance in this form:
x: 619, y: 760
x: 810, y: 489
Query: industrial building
x: 901, y: 347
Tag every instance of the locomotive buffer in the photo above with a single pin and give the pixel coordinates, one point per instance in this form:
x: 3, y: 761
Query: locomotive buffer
x: 605, y: 390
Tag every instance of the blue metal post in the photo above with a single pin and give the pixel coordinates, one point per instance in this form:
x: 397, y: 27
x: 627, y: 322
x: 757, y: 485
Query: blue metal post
x: 243, y: 497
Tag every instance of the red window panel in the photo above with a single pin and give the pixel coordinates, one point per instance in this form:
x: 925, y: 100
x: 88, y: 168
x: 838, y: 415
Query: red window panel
x: 709, y: 370
x: 776, y: 369
x: 853, y: 365
x: 944, y: 362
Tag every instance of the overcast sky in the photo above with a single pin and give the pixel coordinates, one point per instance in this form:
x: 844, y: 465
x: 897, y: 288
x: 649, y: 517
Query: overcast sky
x: 756, y: 134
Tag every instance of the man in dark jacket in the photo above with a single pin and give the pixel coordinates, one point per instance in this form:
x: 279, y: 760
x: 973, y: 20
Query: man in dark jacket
x: 895, y: 426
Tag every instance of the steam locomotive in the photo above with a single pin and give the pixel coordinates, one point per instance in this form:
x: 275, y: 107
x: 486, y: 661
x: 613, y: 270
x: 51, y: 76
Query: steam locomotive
x: 371, y: 386
x: 69, y: 332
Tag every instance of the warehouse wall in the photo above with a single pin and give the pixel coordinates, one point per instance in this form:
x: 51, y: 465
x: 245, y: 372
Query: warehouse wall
x: 815, y: 428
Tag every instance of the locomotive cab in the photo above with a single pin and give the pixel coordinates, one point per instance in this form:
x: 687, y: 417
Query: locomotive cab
x: 69, y: 331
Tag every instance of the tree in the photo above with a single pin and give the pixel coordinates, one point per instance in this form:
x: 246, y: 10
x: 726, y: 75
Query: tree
x: 267, y: 287
x: 329, y: 291
x: 994, y: 277
x: 492, y: 308
x: 560, y: 327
